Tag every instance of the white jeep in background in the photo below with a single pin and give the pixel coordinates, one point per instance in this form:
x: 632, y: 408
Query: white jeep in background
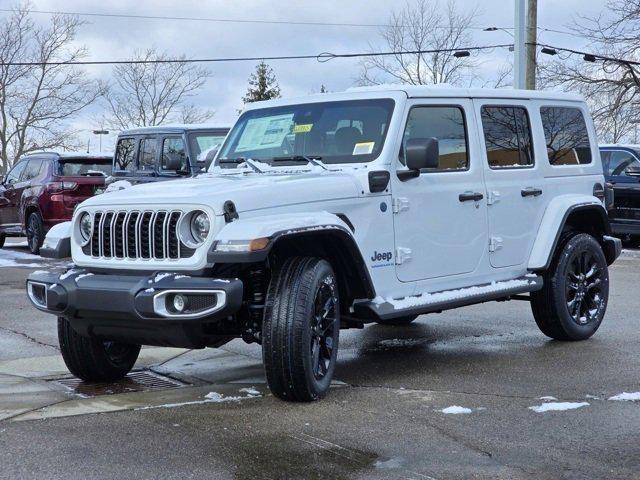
x: 334, y: 210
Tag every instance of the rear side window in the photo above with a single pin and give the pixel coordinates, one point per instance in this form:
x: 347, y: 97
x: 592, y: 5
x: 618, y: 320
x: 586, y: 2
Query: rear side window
x: 447, y: 125
x: 147, y: 154
x: 507, y: 136
x: 173, y: 149
x: 125, y: 155
x: 565, y: 133
x: 32, y: 169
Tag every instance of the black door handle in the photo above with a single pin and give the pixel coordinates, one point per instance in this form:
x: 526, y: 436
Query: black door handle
x: 531, y: 192
x: 469, y: 196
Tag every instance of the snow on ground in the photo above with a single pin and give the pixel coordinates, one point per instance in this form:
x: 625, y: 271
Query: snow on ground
x: 211, y: 397
x: 456, y: 410
x: 558, y: 406
x: 626, y: 397
x: 16, y: 258
x: 548, y: 399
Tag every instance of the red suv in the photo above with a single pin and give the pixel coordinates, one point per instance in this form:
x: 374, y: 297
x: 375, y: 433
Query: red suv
x: 42, y: 189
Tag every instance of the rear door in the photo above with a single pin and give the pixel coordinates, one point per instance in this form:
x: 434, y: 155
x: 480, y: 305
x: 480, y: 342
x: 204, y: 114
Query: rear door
x: 514, y: 183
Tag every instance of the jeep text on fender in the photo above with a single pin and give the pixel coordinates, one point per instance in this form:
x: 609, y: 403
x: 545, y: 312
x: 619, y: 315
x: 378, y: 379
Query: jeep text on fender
x: 330, y: 211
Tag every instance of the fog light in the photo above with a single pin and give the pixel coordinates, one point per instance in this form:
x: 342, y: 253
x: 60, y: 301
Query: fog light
x: 179, y: 302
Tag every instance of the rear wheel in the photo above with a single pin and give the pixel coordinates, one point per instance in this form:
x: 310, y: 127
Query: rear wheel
x: 300, y: 329
x: 573, y: 301
x: 95, y: 360
x: 35, y: 233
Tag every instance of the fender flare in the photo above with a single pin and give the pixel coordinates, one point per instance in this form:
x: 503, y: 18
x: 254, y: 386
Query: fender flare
x: 554, y: 221
x: 283, y: 227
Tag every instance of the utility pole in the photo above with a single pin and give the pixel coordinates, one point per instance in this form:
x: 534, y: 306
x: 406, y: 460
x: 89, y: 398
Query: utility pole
x: 519, y: 46
x: 532, y: 35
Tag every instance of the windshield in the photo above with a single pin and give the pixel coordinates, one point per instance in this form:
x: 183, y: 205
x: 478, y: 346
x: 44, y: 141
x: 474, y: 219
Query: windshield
x: 76, y: 168
x: 204, y: 145
x: 334, y: 132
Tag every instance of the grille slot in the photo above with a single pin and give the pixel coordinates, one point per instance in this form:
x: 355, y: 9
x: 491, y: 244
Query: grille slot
x: 150, y: 235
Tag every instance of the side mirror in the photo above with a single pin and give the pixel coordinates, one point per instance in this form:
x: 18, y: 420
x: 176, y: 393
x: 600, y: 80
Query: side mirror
x: 422, y: 153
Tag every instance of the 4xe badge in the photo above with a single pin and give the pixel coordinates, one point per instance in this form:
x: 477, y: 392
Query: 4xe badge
x: 381, y: 259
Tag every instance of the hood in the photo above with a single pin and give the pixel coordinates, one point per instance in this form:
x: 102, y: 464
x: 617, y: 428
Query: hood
x: 248, y: 192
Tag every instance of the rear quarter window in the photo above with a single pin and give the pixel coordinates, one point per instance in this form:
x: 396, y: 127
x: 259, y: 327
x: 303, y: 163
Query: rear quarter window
x: 125, y: 157
x: 566, y: 136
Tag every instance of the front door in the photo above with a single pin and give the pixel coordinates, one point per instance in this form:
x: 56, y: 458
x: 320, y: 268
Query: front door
x: 515, y: 194
x: 622, y: 169
x: 440, y: 217
x: 10, y: 194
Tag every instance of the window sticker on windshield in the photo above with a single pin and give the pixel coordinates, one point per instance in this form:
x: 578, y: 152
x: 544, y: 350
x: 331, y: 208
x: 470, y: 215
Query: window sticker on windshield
x: 302, y: 128
x: 363, y: 148
x: 266, y: 132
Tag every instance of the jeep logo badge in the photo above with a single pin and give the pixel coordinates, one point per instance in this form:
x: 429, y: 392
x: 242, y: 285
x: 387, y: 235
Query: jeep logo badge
x: 379, y: 257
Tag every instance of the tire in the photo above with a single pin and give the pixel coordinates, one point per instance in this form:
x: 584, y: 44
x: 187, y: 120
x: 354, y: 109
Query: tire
x: 35, y: 232
x: 94, y: 360
x: 632, y: 241
x: 300, y: 329
x: 400, y: 321
x: 573, y: 301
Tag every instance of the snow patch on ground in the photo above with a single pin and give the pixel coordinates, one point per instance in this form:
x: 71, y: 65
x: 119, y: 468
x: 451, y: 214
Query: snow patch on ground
x: 626, y: 397
x: 548, y: 399
x: 211, y: 397
x: 456, y: 410
x: 12, y: 258
x: 558, y: 406
x: 250, y: 391
x: 401, y: 342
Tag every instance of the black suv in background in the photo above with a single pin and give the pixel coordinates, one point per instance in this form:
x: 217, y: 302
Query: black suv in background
x: 621, y: 164
x: 150, y: 154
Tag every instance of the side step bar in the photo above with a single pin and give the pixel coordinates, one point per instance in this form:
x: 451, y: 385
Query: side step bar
x: 389, y: 308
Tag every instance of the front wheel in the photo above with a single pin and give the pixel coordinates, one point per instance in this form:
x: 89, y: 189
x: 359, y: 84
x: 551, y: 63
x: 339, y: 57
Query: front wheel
x: 300, y: 329
x: 573, y: 300
x: 35, y: 233
x: 94, y: 360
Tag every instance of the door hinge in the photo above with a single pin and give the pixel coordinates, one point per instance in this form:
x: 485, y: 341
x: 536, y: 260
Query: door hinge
x: 493, y: 196
x: 402, y: 255
x: 495, y: 243
x: 400, y: 204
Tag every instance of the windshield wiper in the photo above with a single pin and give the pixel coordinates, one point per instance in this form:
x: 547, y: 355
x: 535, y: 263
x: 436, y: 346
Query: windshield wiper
x: 238, y: 161
x: 314, y: 160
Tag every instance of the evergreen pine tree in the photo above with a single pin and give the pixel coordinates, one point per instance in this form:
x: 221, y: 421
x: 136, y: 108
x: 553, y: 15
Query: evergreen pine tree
x: 262, y: 85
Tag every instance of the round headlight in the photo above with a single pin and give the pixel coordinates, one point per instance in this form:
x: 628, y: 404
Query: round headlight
x: 200, y: 226
x: 86, y: 227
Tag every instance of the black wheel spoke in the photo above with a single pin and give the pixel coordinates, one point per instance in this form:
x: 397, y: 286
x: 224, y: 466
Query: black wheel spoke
x: 583, y: 283
x: 323, y: 328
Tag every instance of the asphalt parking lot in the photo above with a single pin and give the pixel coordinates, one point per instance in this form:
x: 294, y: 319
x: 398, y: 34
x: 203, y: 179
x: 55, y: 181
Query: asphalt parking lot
x: 472, y: 393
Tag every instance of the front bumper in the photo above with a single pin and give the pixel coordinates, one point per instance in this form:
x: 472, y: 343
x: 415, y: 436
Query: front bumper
x: 137, y: 308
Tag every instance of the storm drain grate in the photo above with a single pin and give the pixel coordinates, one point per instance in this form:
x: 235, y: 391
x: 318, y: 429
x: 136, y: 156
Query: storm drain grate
x: 140, y: 381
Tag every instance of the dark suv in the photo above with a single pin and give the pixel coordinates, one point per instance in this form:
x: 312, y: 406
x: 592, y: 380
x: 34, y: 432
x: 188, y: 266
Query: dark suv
x: 621, y: 165
x: 42, y: 190
x: 150, y: 154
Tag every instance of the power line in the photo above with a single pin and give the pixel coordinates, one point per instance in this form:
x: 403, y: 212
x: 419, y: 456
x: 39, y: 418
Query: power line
x: 587, y: 56
x: 322, y: 57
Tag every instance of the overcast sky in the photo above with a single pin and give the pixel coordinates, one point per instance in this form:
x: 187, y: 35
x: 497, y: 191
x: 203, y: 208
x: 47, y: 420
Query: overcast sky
x: 118, y: 38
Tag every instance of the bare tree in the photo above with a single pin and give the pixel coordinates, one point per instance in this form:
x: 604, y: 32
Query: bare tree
x: 37, y: 101
x: 144, y: 94
x: 419, y: 26
x: 612, y: 89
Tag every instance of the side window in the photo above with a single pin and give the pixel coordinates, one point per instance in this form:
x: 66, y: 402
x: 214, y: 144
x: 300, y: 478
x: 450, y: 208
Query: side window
x: 447, y: 125
x: 125, y: 155
x: 173, y: 153
x: 565, y: 133
x: 623, y: 163
x: 14, y: 175
x: 147, y: 154
x: 32, y: 169
x: 507, y: 136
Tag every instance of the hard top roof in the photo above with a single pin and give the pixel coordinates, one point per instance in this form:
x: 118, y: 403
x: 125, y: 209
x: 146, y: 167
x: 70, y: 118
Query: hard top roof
x: 174, y: 128
x: 70, y: 155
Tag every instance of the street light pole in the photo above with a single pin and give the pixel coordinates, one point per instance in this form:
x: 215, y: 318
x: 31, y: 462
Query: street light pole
x: 532, y: 34
x: 100, y: 133
x: 519, y: 46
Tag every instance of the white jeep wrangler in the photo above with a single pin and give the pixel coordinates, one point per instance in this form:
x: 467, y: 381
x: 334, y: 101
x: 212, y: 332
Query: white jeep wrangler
x: 331, y: 211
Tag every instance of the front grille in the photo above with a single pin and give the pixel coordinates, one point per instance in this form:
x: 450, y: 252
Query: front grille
x: 139, y: 234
